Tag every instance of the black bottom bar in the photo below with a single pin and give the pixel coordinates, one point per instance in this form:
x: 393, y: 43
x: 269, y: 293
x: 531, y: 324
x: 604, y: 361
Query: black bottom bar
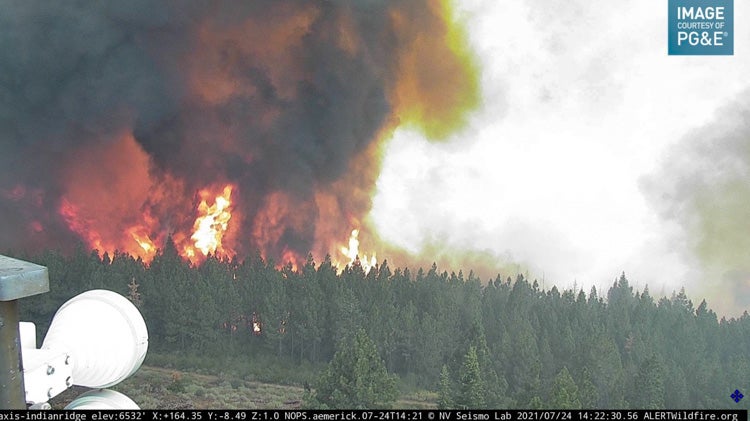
x: 377, y: 415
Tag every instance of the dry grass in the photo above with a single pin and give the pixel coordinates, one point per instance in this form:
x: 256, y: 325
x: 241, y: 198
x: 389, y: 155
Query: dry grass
x: 164, y: 388
x: 160, y: 388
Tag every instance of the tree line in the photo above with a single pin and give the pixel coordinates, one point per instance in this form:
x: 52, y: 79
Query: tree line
x: 502, y: 343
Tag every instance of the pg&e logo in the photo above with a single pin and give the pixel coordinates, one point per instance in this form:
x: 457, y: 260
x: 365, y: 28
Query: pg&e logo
x: 701, y: 27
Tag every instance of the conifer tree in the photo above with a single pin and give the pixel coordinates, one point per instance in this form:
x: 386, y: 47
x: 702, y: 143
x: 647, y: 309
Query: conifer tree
x: 564, y: 392
x: 356, y: 378
x: 470, y: 388
x: 445, y: 390
x: 649, y: 384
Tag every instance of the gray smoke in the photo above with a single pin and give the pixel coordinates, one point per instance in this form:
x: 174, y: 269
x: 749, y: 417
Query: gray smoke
x: 703, y: 184
x: 307, y: 90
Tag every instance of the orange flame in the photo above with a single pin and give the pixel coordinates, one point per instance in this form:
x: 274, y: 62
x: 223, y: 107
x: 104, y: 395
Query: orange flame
x: 289, y: 257
x: 211, y: 224
x: 143, y: 240
x: 80, y: 225
x: 116, y: 196
x: 107, y: 210
x: 352, y: 252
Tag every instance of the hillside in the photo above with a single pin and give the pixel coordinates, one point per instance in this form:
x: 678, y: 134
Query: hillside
x: 161, y: 388
x: 517, y: 344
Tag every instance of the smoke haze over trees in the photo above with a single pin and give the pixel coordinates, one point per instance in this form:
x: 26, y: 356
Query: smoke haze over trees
x: 504, y: 343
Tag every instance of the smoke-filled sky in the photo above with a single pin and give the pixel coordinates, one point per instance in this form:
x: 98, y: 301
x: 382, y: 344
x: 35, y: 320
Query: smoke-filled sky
x: 551, y: 137
x: 233, y: 127
x: 594, y: 153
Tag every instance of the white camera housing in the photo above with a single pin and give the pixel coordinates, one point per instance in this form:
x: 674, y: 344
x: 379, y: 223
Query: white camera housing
x: 96, y: 339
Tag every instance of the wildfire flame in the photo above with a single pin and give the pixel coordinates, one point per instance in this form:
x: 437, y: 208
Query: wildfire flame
x: 352, y: 252
x: 300, y: 136
x: 289, y: 257
x: 257, y: 329
x: 143, y: 241
x: 211, y: 224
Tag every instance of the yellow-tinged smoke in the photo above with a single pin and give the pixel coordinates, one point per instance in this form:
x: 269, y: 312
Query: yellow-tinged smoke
x: 438, y: 82
x: 722, y: 231
x: 703, y: 185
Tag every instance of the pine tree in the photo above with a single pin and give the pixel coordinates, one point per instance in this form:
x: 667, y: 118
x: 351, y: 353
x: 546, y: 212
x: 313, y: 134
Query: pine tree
x: 471, y: 388
x: 356, y: 378
x: 525, y: 365
x: 564, y: 392
x: 445, y: 390
x: 587, y: 393
x: 649, y: 384
x: 607, y: 372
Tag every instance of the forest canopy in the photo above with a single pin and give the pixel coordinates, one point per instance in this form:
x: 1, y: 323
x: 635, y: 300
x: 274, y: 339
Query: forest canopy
x: 499, y: 343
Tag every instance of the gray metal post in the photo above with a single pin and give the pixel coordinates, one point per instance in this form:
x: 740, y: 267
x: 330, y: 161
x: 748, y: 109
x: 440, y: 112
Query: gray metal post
x: 18, y: 279
x: 11, y: 369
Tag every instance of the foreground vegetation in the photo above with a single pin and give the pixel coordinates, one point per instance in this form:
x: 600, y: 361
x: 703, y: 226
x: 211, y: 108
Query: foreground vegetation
x: 478, y: 343
x: 162, y: 388
x: 168, y: 388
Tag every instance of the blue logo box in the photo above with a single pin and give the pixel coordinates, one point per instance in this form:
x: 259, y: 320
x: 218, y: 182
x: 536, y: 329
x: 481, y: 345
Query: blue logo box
x: 701, y: 27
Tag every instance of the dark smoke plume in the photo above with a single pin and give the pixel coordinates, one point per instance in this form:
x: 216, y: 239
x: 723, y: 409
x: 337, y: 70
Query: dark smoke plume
x: 110, y: 111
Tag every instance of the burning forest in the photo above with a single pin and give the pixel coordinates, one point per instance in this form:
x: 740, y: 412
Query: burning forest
x: 232, y: 128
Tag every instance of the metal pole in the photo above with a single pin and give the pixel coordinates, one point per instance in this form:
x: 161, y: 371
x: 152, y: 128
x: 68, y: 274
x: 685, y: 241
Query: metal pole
x: 18, y: 279
x: 12, y: 390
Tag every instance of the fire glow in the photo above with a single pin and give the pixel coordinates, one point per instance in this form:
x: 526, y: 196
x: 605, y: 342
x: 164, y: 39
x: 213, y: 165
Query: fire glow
x: 211, y: 223
x: 232, y: 129
x: 352, y: 253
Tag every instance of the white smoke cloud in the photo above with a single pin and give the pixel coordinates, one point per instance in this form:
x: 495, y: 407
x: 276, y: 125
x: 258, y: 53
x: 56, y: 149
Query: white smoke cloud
x: 581, y: 101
